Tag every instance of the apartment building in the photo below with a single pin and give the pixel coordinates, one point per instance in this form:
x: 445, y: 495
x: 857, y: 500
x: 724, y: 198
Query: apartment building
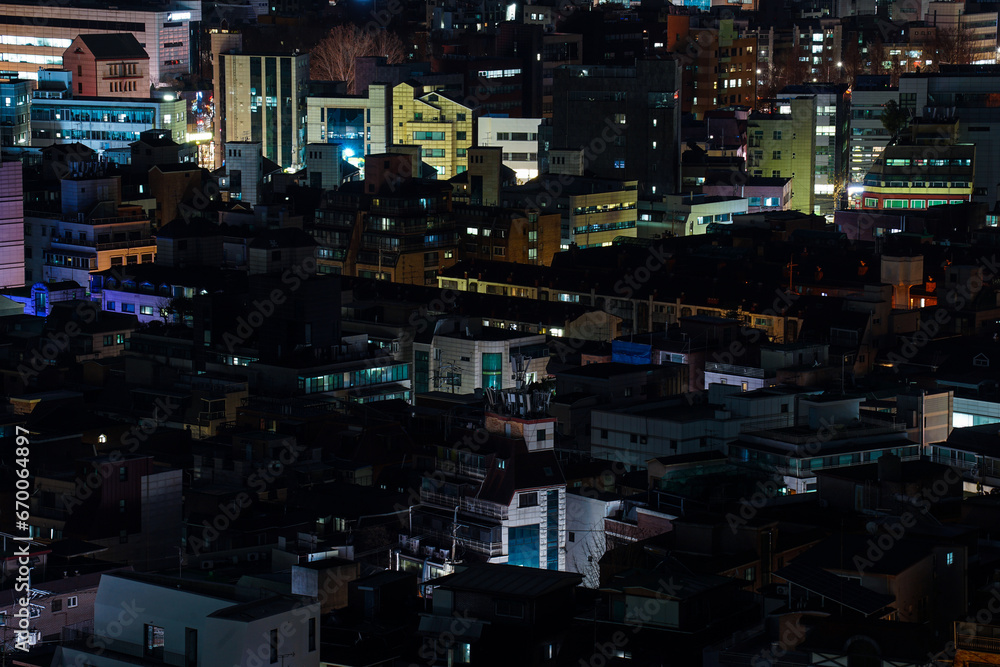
x: 782, y: 144
x: 440, y: 125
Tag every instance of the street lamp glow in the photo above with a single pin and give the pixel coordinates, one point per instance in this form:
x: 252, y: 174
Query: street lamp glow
x: 840, y: 64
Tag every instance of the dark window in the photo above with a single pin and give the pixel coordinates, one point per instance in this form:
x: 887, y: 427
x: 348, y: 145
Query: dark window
x: 527, y: 500
x: 56, y: 606
x: 510, y: 608
x: 312, y: 634
x: 190, y: 647
x: 274, y: 646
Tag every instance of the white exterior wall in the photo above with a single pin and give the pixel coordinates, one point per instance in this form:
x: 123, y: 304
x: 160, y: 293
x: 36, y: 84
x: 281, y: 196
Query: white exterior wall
x: 536, y: 515
x: 585, y: 520
x: 973, y: 411
x: 124, y: 607
x: 489, y: 128
x: 465, y: 357
x: 377, y: 128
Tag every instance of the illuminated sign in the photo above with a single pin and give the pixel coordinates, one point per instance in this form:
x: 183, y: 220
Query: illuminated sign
x: 179, y: 16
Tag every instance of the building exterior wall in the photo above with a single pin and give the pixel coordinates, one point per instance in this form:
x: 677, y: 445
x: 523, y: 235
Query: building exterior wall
x: 783, y: 145
x: 11, y: 226
x: 38, y: 34
x: 373, y: 135
x: 102, y: 124
x: 265, y: 101
x: 442, y: 128
x: 518, y: 137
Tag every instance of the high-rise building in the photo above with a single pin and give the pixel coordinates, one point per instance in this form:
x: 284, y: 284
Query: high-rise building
x: 868, y: 135
x: 833, y: 104
x: 625, y: 119
x: 441, y: 126
x: 11, y: 225
x: 264, y: 100
x: 782, y: 138
x: 37, y: 34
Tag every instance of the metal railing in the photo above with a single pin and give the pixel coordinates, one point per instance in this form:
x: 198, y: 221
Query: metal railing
x: 978, y: 643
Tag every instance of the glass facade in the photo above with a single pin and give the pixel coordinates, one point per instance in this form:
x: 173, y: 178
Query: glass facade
x: 552, y: 531
x: 286, y: 111
x: 271, y: 113
x: 492, y: 370
x: 421, y: 372
x: 347, y: 128
x: 523, y: 546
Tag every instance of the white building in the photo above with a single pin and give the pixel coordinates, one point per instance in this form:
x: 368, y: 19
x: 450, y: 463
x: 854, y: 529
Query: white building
x: 518, y: 137
x: 36, y: 34
x: 462, y: 357
x: 359, y: 123
x: 164, y: 620
x: 686, y: 215
x: 100, y: 123
x: 868, y: 137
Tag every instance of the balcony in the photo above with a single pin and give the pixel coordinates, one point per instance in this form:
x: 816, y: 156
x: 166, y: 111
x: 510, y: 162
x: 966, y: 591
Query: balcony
x: 978, y: 643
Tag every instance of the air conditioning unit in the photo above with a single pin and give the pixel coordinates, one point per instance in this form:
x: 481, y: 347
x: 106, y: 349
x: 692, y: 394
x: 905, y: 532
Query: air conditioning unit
x: 444, y: 554
x: 429, y: 551
x: 253, y: 556
x: 207, y: 564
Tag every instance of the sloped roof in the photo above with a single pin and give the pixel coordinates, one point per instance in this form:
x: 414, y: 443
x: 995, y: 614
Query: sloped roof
x: 114, y: 45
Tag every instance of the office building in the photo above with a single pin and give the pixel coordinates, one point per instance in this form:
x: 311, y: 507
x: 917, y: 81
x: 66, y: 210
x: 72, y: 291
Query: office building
x: 626, y: 120
x: 868, y: 136
x: 263, y: 99
x: 360, y: 124
x: 15, y: 112
x: 966, y: 92
x: 104, y: 123
x: 38, y: 34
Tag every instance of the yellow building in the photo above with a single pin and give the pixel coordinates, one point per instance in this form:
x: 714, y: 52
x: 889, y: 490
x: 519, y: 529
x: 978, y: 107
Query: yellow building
x: 438, y: 124
x: 783, y: 145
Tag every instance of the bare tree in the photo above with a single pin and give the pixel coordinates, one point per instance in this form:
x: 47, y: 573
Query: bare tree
x: 952, y: 45
x: 335, y: 56
x: 616, y: 552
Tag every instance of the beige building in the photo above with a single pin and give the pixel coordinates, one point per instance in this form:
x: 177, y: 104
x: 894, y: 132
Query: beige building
x: 441, y: 126
x: 263, y: 98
